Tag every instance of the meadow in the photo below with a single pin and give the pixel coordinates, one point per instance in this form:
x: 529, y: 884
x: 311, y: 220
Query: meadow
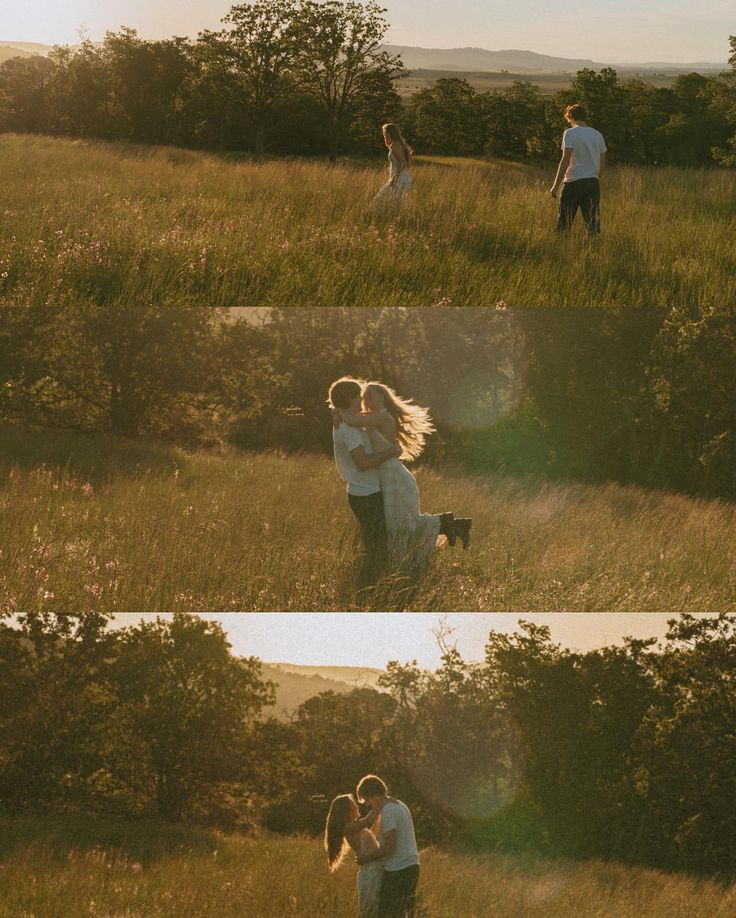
x: 110, y: 223
x: 77, y: 867
x: 92, y: 522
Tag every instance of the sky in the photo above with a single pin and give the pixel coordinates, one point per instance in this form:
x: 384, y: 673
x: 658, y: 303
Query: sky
x: 372, y: 639
x: 609, y: 31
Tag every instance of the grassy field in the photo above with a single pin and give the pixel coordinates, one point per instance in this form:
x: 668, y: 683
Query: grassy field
x: 109, y: 223
x: 100, y: 523
x: 75, y: 868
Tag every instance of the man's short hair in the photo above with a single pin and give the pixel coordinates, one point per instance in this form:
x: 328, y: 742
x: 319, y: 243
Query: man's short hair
x: 370, y: 786
x: 577, y: 112
x: 343, y: 391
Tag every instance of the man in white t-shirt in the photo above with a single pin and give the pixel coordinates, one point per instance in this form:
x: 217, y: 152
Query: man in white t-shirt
x: 358, y: 465
x: 397, y: 850
x: 579, y: 172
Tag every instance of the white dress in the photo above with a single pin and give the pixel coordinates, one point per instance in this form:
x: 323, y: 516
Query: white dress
x: 369, y: 877
x: 391, y: 195
x: 412, y: 535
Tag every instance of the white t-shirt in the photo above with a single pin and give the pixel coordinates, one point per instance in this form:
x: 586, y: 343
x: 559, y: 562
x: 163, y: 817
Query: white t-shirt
x: 345, y: 439
x: 586, y: 144
x: 397, y: 816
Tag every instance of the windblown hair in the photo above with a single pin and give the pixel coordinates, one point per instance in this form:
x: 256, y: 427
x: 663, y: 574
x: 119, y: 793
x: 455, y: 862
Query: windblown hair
x: 577, y: 111
x: 370, y: 786
x: 341, y: 809
x: 343, y: 391
x: 413, y: 423
x: 393, y: 132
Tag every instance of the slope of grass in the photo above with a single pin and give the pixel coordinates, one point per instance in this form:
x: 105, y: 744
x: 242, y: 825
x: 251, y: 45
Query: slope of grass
x: 122, y: 224
x: 100, y: 523
x: 79, y: 868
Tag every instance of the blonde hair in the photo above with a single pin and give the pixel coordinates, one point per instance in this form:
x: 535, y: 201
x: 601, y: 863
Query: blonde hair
x: 341, y: 809
x: 393, y: 131
x: 413, y: 423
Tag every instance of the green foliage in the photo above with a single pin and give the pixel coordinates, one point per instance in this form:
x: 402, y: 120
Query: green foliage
x: 303, y: 77
x: 635, y: 396
x: 126, y: 369
x: 622, y: 753
x: 155, y: 718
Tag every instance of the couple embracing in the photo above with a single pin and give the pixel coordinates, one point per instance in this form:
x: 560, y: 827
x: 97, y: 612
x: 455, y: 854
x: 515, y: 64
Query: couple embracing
x: 385, y: 847
x: 373, y: 430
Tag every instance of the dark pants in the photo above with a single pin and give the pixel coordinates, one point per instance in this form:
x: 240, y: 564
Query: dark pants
x: 398, y: 897
x: 369, y: 511
x: 586, y: 195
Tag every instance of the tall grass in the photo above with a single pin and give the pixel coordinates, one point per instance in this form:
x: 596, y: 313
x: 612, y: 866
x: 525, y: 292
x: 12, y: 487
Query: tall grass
x: 79, y: 868
x: 116, y: 223
x: 94, y: 522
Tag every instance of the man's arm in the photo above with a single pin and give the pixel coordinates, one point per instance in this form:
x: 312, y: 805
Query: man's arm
x: 561, y: 170
x: 602, y: 165
x: 365, y: 461
x: 385, y: 849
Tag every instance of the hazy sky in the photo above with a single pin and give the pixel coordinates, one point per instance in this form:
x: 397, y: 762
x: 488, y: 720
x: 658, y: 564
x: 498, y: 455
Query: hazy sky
x: 357, y: 639
x: 604, y: 30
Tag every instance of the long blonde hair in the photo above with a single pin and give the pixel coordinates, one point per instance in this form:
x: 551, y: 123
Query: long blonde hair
x: 341, y: 809
x: 393, y: 131
x: 413, y: 423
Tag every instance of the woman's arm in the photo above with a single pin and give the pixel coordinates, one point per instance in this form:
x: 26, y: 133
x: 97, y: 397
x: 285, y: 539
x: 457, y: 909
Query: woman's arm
x: 367, y: 821
x: 364, y: 419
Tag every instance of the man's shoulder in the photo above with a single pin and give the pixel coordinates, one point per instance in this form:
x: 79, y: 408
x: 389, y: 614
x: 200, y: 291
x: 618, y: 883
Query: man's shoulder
x: 397, y: 805
x: 593, y: 132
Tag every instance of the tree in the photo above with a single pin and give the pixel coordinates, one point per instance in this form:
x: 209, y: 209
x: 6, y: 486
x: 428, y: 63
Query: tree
x: 55, y: 701
x: 446, y: 117
x: 260, y: 50
x: 190, y: 706
x: 119, y: 368
x: 79, y: 93
x: 147, y: 80
x: 340, y: 58
x: 23, y: 86
x: 725, y: 92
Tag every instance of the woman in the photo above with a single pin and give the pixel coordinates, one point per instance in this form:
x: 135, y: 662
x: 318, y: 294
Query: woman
x: 345, y: 828
x: 412, y: 535
x: 399, y: 180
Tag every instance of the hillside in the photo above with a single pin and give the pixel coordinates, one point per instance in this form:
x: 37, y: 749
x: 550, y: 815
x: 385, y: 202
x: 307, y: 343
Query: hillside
x: 101, y: 523
x: 7, y: 52
x: 296, y: 684
x: 117, y: 221
x: 67, y: 868
x: 481, y: 59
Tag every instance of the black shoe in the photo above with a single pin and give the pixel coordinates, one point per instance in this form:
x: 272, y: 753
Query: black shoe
x: 462, y: 528
x: 447, y: 527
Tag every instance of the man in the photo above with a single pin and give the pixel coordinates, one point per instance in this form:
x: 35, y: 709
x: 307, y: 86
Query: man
x: 358, y: 466
x: 582, y: 165
x: 397, y: 850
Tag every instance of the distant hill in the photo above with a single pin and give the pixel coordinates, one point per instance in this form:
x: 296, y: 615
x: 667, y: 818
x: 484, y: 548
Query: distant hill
x: 8, y: 51
x: 474, y: 59
x: 27, y: 47
x: 468, y: 59
x: 296, y: 684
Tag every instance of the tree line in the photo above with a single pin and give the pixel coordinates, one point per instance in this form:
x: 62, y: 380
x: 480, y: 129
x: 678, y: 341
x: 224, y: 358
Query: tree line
x: 287, y: 75
x: 299, y: 76
x: 690, y: 123
x: 636, y: 396
x: 622, y: 753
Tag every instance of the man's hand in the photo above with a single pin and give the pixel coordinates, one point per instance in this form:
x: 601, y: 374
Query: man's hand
x: 361, y: 859
x: 553, y: 190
